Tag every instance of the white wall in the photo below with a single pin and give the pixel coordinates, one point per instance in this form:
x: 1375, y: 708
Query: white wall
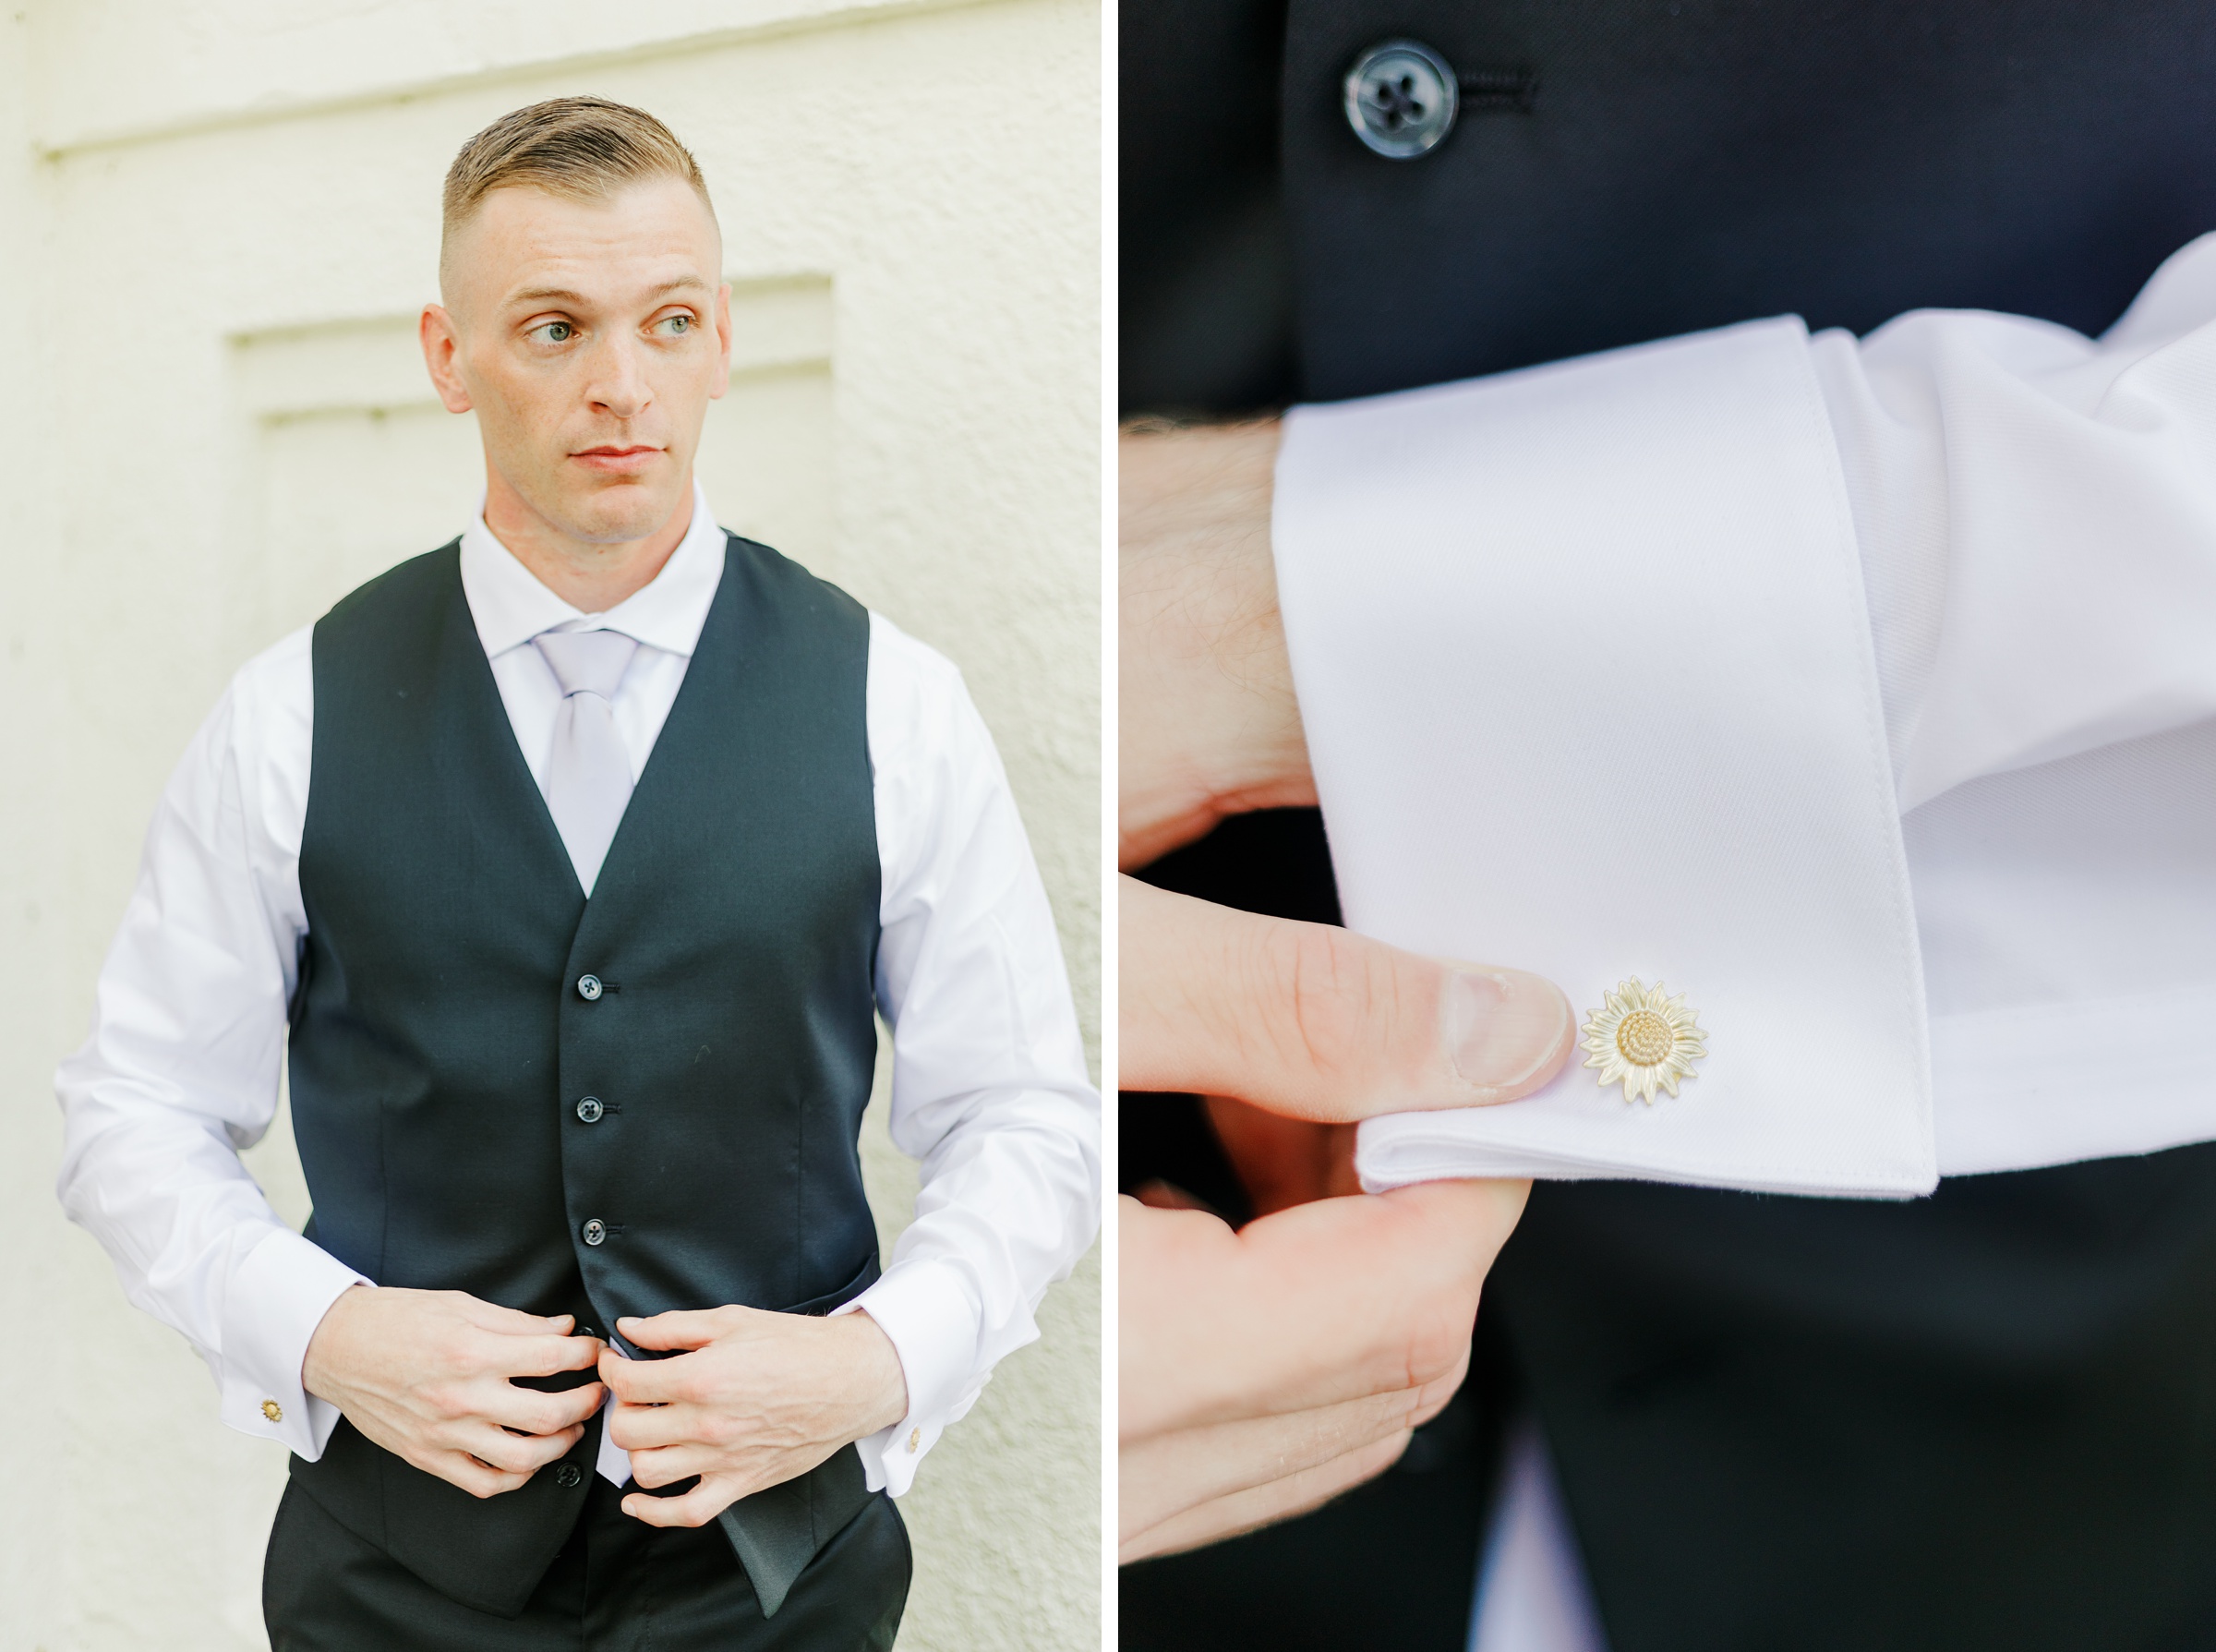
x: 216, y: 223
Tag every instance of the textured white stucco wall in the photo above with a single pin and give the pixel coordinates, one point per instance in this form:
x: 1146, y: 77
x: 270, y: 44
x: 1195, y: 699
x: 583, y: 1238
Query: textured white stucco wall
x: 216, y: 223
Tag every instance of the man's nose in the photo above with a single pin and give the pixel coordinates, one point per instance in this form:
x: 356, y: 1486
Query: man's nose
x: 617, y: 383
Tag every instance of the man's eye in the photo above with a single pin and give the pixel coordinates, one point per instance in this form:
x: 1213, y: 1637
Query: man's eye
x: 677, y: 324
x: 557, y: 332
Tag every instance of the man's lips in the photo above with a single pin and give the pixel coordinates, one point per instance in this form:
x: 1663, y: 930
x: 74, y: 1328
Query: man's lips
x: 615, y: 460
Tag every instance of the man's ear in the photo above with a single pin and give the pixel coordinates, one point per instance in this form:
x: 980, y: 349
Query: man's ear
x: 723, y: 342
x: 442, y: 345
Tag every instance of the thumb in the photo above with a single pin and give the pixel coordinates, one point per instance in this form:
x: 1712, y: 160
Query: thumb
x: 1321, y: 1023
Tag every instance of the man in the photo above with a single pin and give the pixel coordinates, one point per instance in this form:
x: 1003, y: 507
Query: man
x: 1962, y: 1421
x: 577, y: 858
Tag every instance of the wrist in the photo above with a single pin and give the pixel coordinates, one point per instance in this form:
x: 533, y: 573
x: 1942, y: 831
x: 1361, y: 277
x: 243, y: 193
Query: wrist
x: 881, y: 1383
x: 1178, y: 787
x: 319, y: 1362
x: 1210, y: 724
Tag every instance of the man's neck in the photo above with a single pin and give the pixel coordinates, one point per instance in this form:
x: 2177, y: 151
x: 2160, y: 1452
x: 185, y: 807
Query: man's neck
x: 590, y: 577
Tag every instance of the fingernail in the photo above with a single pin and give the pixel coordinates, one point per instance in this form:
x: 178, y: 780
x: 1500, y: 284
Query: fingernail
x: 1505, y: 1029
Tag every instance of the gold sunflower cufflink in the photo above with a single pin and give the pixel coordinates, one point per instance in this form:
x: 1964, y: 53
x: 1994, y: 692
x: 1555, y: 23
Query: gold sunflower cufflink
x: 1645, y: 1038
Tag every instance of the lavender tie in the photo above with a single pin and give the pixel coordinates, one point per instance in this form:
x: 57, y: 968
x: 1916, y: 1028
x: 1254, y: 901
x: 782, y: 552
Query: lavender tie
x: 588, y: 773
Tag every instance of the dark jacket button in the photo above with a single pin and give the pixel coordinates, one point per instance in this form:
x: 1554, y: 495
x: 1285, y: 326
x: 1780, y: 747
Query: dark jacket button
x: 1401, y: 97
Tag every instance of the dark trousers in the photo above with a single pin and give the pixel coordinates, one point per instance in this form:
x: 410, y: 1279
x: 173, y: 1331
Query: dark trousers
x: 617, y: 1585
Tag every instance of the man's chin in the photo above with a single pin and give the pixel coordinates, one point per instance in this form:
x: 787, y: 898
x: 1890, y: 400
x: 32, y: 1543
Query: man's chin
x: 621, y: 512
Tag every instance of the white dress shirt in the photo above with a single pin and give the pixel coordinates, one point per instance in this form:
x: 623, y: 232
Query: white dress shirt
x: 181, y: 1069
x: 1862, y: 690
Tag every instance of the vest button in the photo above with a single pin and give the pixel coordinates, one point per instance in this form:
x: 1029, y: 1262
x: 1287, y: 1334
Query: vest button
x: 588, y: 987
x: 595, y: 1231
x: 569, y: 1475
x: 1401, y: 99
x: 590, y: 1109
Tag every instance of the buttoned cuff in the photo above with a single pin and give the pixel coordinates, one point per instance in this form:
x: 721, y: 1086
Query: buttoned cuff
x: 1585, y: 665
x: 926, y: 1310
x: 276, y: 1299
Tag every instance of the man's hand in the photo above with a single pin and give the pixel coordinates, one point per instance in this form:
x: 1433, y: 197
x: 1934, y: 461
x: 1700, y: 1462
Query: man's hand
x: 1269, y: 1369
x: 1266, y: 1370
x: 760, y: 1398
x: 426, y: 1374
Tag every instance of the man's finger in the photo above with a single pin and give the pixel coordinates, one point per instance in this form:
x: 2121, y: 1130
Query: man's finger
x: 477, y: 1478
x: 646, y: 1381
x: 677, y: 1328
x: 667, y: 1465
x: 534, y: 1412
x: 510, y: 1321
x: 645, y: 1428
x: 696, y: 1507
x: 1321, y: 1023
x: 1265, y: 1504
x: 515, y: 1453
x: 542, y: 1356
x: 1282, y: 1161
x: 1313, y: 1306
x: 1193, y: 1467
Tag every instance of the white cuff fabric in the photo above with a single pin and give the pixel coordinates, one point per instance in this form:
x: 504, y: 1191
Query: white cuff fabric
x: 2016, y: 1080
x: 928, y: 1313
x: 276, y: 1299
x: 1584, y: 663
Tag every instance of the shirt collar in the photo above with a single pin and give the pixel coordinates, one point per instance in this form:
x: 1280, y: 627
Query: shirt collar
x: 510, y: 606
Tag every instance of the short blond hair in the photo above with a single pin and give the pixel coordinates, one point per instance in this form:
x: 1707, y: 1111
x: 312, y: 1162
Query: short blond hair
x: 583, y: 149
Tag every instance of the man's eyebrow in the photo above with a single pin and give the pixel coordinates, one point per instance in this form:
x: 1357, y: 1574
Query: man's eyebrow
x: 567, y: 295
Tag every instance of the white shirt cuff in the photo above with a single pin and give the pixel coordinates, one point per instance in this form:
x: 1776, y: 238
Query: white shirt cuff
x: 1584, y: 663
x: 926, y: 1310
x: 276, y: 1299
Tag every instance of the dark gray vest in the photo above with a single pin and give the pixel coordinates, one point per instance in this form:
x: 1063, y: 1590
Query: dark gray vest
x: 444, y: 1048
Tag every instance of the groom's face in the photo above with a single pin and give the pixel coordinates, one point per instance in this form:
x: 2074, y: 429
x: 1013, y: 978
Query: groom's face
x: 589, y: 337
